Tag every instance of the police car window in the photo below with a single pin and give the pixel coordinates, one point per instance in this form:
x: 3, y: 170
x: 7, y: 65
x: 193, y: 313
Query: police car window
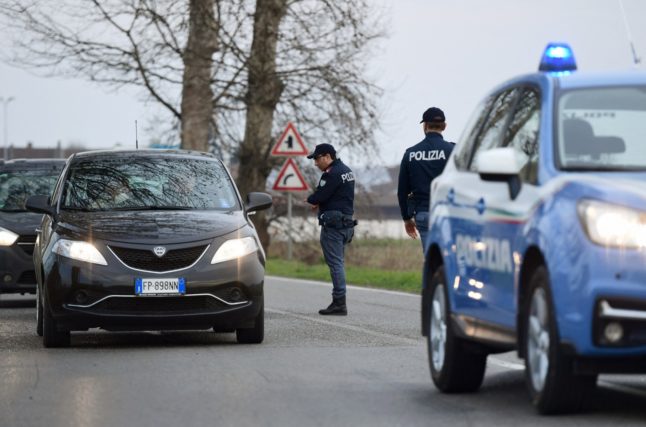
x: 468, y: 137
x: 602, y: 129
x: 491, y: 134
x: 522, y: 132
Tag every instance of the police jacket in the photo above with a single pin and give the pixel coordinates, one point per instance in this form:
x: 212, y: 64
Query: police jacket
x: 420, y: 165
x: 335, y: 191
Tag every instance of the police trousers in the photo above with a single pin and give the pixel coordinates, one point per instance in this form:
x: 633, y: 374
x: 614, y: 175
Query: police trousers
x: 333, y: 241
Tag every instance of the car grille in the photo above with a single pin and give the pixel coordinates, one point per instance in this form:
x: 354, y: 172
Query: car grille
x: 160, y: 305
x: 26, y: 243
x: 145, y: 259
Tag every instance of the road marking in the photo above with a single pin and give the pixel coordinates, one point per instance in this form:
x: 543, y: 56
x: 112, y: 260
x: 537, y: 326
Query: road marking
x: 624, y: 389
x: 353, y: 287
x: 507, y: 365
x: 383, y: 335
x: 607, y: 384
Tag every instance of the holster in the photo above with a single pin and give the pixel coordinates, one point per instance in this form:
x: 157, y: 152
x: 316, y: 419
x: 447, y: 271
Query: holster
x: 336, y: 220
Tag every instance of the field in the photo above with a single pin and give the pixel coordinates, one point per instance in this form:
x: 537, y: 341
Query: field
x: 382, y: 263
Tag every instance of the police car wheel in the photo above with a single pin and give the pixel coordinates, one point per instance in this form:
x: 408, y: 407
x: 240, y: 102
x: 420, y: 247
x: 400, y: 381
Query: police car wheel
x: 39, y: 314
x: 455, y: 366
x: 549, y: 376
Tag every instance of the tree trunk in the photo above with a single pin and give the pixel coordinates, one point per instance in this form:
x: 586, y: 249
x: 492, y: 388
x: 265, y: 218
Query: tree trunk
x: 197, y: 95
x: 263, y: 93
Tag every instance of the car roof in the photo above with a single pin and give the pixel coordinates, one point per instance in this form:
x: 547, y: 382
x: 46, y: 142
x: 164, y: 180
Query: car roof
x: 117, y: 154
x: 30, y: 164
x: 580, y: 79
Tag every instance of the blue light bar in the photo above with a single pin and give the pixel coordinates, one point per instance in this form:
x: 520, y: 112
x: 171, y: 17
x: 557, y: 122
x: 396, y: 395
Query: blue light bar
x: 558, y: 57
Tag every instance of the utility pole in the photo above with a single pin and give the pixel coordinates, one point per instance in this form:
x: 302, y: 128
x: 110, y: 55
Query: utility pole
x: 5, y: 104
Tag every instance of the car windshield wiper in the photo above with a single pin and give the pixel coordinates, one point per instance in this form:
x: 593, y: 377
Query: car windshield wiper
x: 153, y: 208
x: 74, y: 208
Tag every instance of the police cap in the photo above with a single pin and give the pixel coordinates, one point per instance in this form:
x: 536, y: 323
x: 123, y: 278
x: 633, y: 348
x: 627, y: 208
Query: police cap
x: 433, y: 115
x: 322, y: 149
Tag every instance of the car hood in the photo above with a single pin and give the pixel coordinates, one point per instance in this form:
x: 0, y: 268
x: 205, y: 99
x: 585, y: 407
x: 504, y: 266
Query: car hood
x: 150, y: 226
x: 22, y: 223
x: 627, y: 189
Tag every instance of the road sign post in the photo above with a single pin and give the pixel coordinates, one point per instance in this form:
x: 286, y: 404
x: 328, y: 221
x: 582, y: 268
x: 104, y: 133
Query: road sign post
x: 289, y: 177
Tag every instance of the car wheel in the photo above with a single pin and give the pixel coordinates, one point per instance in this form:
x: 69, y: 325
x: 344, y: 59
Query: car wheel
x: 256, y: 334
x: 39, y: 314
x: 52, y: 337
x: 455, y: 366
x: 552, y: 385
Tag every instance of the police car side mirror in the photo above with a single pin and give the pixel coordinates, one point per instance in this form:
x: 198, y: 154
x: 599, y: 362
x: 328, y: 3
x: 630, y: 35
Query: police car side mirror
x: 257, y: 201
x: 502, y: 165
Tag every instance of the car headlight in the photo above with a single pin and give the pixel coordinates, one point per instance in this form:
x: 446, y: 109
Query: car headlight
x: 81, y: 251
x: 235, y: 248
x: 612, y: 225
x: 7, y: 238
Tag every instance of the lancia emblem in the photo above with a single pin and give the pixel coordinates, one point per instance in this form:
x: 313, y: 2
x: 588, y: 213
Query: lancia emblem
x: 159, y: 251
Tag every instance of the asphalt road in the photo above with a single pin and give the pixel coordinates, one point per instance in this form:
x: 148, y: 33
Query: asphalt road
x: 369, y: 368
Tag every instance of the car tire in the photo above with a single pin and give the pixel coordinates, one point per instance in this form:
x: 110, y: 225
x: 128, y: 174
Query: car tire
x: 39, y: 314
x: 552, y: 385
x: 52, y: 337
x: 455, y: 365
x: 256, y: 334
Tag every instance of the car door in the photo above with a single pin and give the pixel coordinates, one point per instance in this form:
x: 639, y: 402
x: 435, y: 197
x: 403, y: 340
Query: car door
x: 506, y: 215
x: 467, y: 197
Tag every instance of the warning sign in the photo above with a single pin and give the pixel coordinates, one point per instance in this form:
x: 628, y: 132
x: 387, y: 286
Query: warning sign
x: 290, y: 143
x: 290, y: 178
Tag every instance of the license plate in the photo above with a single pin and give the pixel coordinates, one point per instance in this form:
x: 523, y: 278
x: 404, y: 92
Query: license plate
x: 160, y: 286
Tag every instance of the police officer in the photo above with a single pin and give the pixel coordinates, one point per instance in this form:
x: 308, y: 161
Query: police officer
x: 334, y: 198
x: 420, y: 165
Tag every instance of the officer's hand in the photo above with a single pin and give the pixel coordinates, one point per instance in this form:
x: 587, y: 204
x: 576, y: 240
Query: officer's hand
x: 409, y: 224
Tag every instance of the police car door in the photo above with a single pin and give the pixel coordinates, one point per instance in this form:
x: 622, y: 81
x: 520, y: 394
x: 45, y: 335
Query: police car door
x: 508, y: 206
x: 482, y: 259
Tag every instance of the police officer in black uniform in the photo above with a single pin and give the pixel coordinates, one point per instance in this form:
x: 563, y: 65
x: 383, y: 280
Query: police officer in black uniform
x: 420, y: 165
x: 334, y: 198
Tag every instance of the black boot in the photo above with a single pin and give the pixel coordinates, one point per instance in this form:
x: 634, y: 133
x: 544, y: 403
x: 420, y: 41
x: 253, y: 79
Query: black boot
x: 337, y: 308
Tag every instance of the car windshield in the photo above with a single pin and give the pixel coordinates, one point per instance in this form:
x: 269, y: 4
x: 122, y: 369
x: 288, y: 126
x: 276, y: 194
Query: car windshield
x: 18, y: 185
x: 602, y: 129
x: 148, y: 183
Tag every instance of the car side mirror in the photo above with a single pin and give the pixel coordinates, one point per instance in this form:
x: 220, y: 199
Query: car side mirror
x: 502, y: 165
x: 257, y: 202
x: 40, y: 204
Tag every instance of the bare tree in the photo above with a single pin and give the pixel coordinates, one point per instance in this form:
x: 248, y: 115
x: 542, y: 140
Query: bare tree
x: 268, y: 62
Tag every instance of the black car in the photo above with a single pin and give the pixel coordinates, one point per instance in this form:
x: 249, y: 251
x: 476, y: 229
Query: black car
x: 148, y: 240
x: 20, y: 179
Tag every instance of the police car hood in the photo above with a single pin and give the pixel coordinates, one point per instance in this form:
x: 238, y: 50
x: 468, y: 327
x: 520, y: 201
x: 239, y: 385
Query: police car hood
x: 22, y: 223
x: 628, y: 189
x: 150, y: 226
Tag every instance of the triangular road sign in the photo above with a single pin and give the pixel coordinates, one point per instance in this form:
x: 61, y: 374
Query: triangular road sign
x: 290, y: 178
x: 290, y: 143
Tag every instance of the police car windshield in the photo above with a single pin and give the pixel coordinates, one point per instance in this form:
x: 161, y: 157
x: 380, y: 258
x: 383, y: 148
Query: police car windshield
x: 602, y: 129
x: 148, y: 183
x: 17, y: 185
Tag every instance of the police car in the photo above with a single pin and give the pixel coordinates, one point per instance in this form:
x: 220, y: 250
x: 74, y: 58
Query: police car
x: 537, y: 237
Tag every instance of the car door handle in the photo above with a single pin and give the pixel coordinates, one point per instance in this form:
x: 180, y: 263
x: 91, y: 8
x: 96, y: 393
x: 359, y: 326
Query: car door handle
x: 480, y: 206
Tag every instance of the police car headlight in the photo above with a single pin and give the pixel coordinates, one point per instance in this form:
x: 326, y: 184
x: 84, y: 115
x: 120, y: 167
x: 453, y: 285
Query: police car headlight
x: 81, y: 251
x: 7, y: 238
x: 235, y: 248
x: 612, y: 225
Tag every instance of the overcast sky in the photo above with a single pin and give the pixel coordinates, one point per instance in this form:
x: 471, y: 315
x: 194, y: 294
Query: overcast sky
x: 445, y: 53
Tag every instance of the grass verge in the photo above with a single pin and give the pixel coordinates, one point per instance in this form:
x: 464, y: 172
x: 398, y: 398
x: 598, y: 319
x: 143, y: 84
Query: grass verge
x: 406, y: 281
